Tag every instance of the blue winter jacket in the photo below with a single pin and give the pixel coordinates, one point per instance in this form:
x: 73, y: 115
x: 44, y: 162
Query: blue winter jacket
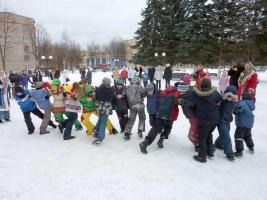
x: 25, y: 102
x: 41, y: 96
x: 227, y: 107
x: 152, y: 103
x: 244, y: 117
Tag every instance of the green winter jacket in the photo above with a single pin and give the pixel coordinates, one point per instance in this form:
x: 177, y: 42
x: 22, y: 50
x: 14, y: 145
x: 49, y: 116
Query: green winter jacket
x: 88, y: 105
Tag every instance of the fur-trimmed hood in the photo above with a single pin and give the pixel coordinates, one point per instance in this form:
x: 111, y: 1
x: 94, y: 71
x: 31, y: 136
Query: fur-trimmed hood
x: 205, y: 93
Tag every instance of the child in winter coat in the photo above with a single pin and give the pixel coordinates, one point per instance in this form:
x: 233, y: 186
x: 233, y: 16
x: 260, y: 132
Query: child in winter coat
x: 223, y: 83
x: 41, y: 97
x: 72, y: 108
x: 28, y: 106
x: 206, y: 102
x: 167, y: 113
x: 226, y: 117
x: 120, y: 104
x: 244, y: 120
x: 152, y: 102
x: 59, y: 97
x: 104, y: 96
x: 135, y: 96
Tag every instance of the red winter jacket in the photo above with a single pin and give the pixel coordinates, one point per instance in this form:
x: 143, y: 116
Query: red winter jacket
x: 248, y: 84
x: 124, y: 74
x: 175, y: 110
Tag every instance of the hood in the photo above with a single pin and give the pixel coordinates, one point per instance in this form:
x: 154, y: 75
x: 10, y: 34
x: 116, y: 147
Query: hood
x: 230, y: 91
x: 205, y: 93
x: 135, y: 81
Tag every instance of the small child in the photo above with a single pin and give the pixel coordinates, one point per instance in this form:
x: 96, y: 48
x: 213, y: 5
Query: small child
x: 28, y: 106
x: 167, y: 113
x: 226, y: 117
x: 120, y: 104
x: 41, y: 96
x: 244, y: 119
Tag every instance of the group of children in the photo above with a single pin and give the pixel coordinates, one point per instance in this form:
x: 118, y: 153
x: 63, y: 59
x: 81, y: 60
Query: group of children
x: 205, y: 108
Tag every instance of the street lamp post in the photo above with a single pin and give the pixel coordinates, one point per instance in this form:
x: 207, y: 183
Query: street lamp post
x: 46, y: 59
x: 116, y: 60
x: 163, y: 55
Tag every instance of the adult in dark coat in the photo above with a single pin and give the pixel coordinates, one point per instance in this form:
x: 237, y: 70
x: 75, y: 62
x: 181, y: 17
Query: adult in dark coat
x: 37, y: 77
x: 151, y: 73
x: 234, y: 74
x: 167, y: 76
x: 206, y: 101
x: 88, y: 77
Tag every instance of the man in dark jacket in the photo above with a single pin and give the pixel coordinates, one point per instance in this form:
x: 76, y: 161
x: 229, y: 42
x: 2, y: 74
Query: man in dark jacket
x: 167, y: 76
x: 120, y: 104
x: 151, y: 73
x: 206, y: 101
x: 234, y: 74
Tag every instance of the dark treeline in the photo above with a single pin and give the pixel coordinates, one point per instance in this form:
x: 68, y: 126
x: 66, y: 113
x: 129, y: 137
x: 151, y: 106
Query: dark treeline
x: 214, y: 32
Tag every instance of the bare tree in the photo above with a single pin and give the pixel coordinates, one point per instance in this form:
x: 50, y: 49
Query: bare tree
x: 39, y: 41
x: 7, y: 28
x: 117, y: 47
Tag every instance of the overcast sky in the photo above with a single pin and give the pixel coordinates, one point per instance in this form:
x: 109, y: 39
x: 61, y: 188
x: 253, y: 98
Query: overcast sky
x: 84, y: 20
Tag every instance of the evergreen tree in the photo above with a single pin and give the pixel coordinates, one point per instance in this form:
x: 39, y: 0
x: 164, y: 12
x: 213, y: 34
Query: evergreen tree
x: 149, y: 34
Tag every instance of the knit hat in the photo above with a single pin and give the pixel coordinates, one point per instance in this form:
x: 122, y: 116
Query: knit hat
x: 246, y: 96
x: 205, y: 84
x: 38, y: 85
x: 150, y: 87
x: 19, y: 90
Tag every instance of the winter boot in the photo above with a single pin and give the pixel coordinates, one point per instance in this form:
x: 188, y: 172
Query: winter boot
x: 54, y: 126
x: 200, y: 159
x: 143, y: 145
x: 69, y: 138
x: 7, y: 120
x: 127, y: 136
x: 1, y: 121
x: 31, y: 132
x: 114, y: 131
x: 97, y: 142
x: 230, y: 157
x: 44, y: 132
x: 238, y: 154
x: 252, y: 150
x: 140, y: 134
x: 160, y: 142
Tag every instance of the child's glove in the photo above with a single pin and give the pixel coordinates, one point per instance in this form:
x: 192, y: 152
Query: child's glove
x: 180, y: 101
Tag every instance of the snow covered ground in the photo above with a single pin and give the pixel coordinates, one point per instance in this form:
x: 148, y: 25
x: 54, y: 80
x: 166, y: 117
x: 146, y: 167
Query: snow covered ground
x: 44, y: 167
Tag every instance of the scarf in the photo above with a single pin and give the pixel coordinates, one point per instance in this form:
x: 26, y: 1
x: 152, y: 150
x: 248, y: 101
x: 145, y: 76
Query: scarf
x: 245, y: 76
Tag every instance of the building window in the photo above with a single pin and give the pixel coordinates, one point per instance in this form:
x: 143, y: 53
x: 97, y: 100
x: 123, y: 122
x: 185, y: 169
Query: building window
x: 26, y: 48
x: 26, y: 58
x: 25, y: 38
